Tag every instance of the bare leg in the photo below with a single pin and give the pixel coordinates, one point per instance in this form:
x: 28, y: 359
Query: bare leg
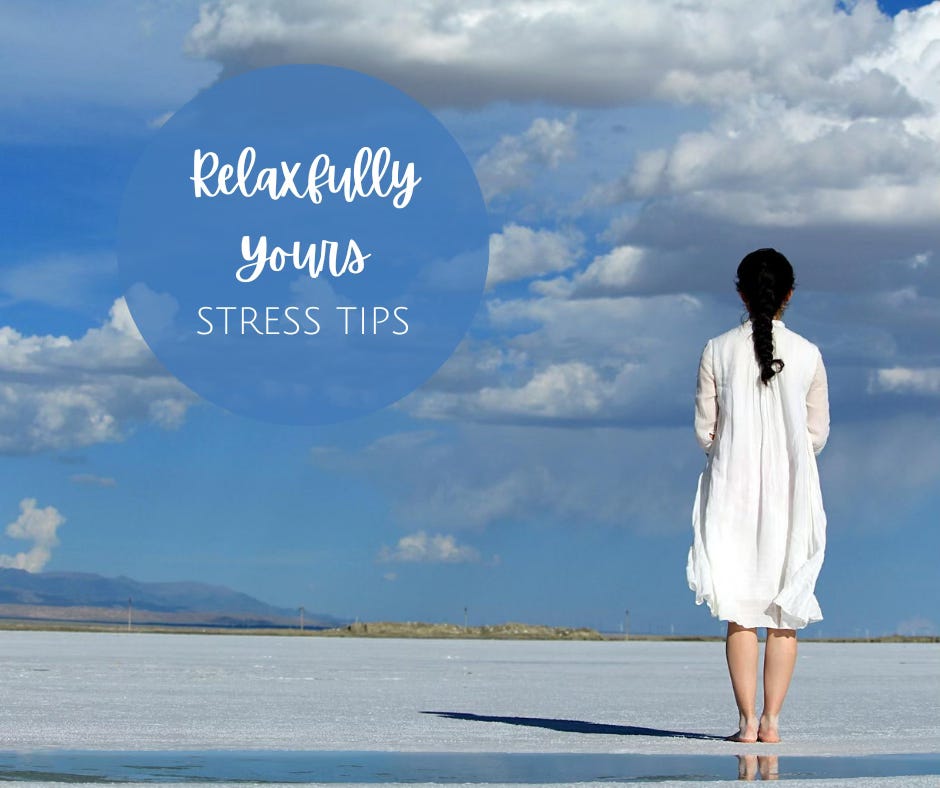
x: 779, y: 659
x: 741, y: 651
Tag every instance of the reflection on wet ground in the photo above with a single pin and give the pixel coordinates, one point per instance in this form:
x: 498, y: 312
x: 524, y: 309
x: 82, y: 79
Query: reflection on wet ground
x: 442, y: 767
x: 752, y: 767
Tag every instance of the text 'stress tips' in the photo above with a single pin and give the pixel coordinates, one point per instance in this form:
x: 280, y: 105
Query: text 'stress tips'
x: 303, y: 244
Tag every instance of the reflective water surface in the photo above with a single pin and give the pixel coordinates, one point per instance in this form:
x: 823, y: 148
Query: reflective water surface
x: 443, y: 767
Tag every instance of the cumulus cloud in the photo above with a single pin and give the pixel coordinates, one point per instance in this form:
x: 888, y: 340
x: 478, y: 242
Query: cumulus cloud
x: 61, y: 393
x: 434, y: 548
x: 591, y: 53
x: 520, y: 253
x: 833, y: 122
x: 514, y: 161
x: 602, y: 361
x: 785, y: 148
x: 610, y: 274
x: 565, y: 391
x: 906, y: 380
x: 38, y: 526
x: 767, y: 171
x: 860, y: 150
x: 572, y: 404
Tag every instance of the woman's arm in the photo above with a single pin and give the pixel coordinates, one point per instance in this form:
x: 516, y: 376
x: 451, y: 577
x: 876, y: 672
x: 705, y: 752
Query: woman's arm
x: 706, y: 401
x: 817, y: 408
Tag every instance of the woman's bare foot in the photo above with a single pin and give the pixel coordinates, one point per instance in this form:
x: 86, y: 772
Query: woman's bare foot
x: 768, y: 731
x: 747, y: 731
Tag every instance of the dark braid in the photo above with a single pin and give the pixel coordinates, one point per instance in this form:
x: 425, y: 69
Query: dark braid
x: 765, y: 277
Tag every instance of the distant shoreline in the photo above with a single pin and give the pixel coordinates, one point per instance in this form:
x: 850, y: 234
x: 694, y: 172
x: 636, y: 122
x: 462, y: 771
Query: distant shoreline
x: 417, y: 630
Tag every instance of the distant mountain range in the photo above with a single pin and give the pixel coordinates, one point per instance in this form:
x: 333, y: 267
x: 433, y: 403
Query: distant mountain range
x: 87, y: 597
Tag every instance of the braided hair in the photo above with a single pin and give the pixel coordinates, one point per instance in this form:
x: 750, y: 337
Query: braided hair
x: 765, y: 277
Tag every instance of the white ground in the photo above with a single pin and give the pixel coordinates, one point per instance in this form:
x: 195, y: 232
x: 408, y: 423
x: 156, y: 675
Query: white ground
x: 134, y: 691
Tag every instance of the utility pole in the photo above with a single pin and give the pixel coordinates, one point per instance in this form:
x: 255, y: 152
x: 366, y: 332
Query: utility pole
x: 129, y: 609
x: 626, y: 625
x: 301, y: 618
x: 465, y: 618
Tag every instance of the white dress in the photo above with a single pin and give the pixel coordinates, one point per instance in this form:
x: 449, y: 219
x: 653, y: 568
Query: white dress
x: 759, y: 527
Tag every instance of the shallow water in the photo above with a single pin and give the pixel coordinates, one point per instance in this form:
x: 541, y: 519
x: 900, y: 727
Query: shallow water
x: 86, y: 766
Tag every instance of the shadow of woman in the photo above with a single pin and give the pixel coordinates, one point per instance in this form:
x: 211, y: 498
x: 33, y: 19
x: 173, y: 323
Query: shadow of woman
x: 576, y: 726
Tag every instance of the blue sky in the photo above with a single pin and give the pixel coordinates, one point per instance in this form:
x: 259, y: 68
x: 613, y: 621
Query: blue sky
x: 546, y: 472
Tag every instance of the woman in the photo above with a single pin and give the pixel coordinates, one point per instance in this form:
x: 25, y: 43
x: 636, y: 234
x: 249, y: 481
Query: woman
x: 759, y: 528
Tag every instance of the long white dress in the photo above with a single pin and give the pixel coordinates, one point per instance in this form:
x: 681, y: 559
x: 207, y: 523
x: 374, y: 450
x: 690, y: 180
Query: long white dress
x: 759, y: 527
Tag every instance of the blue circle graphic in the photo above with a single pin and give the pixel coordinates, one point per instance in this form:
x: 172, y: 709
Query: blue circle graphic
x: 303, y: 244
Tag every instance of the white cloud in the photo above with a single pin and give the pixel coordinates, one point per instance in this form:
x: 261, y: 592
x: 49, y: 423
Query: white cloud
x: 759, y: 172
x: 514, y: 161
x: 610, y: 274
x: 589, y: 53
x: 911, y: 56
x: 520, y: 253
x: 62, y: 393
x: 436, y: 548
x: 861, y: 148
x: 830, y: 123
x: 786, y: 148
x: 477, y: 363
x: 821, y: 139
x: 604, y: 360
x: 570, y: 390
x: 903, y: 380
x: 38, y: 526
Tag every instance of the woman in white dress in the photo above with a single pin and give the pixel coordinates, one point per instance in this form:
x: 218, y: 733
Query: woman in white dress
x: 759, y: 527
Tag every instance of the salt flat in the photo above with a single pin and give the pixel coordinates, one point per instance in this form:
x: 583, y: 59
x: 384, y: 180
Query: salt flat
x: 139, y: 691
